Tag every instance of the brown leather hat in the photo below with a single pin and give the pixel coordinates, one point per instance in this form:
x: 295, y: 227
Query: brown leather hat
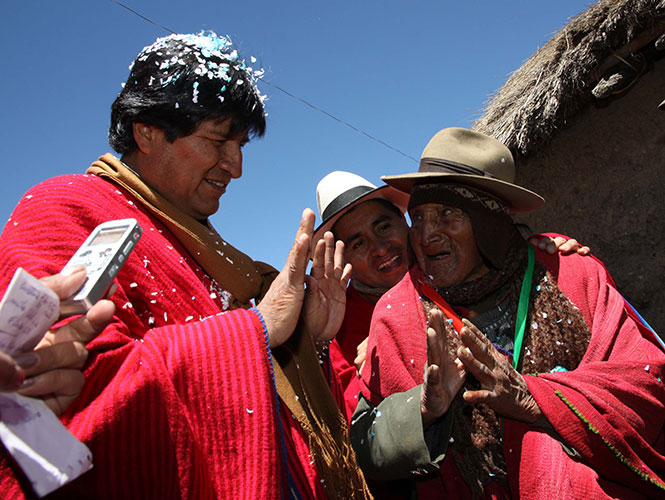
x: 467, y: 157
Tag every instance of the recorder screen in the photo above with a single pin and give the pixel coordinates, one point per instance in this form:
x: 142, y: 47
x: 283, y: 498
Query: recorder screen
x: 110, y: 235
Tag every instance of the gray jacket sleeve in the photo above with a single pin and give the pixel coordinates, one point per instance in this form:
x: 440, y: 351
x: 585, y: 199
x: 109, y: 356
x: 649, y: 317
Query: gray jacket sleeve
x: 389, y: 439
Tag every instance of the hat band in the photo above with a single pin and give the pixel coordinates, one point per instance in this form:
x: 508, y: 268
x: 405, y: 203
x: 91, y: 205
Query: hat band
x: 435, y: 165
x: 345, y: 199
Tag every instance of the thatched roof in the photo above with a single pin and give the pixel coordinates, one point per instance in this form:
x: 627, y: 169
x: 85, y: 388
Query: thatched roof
x: 599, y: 53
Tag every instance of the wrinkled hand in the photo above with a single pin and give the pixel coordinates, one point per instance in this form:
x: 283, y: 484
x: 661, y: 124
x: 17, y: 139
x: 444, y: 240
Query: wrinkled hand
x: 559, y: 244
x: 443, y: 376
x: 53, y: 369
x: 325, y: 298
x: 282, y: 303
x: 361, y: 356
x: 502, y: 387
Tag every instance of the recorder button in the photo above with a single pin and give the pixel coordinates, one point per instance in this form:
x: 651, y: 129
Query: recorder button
x: 128, y: 247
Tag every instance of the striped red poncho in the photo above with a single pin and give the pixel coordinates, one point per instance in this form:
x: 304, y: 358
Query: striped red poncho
x: 179, y: 400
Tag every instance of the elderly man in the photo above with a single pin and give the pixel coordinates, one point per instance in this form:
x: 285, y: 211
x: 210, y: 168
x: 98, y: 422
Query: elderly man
x: 192, y: 392
x: 549, y: 383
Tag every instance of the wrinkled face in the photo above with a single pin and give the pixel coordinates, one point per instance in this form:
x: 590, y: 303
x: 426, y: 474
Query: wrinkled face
x: 375, y: 239
x: 193, y: 171
x: 444, y: 245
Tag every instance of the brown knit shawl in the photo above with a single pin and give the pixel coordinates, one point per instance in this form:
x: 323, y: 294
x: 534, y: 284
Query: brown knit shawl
x: 299, y: 378
x: 556, y: 335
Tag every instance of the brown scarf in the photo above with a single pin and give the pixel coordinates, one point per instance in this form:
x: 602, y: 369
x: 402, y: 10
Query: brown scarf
x: 241, y: 276
x: 299, y: 378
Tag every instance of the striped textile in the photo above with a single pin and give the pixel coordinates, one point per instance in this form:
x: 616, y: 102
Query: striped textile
x: 179, y: 400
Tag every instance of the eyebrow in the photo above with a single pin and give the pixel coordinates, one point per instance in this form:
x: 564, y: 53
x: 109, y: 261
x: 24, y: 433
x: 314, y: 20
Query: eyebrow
x: 358, y: 234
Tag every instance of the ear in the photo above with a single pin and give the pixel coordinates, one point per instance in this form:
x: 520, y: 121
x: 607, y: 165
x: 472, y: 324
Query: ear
x: 146, y: 136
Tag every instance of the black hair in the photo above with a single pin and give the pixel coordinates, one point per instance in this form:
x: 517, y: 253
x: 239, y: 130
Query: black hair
x: 181, y: 80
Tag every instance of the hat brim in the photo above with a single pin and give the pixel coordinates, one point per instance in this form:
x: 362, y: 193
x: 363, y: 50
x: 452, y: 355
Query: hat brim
x: 395, y: 196
x: 516, y: 198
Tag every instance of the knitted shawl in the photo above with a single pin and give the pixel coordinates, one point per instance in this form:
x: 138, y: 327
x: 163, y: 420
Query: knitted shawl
x: 610, y: 408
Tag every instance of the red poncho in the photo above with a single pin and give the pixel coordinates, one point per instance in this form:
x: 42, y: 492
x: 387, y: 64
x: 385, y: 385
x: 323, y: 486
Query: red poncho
x: 611, y: 409
x: 174, y: 405
x: 343, y: 350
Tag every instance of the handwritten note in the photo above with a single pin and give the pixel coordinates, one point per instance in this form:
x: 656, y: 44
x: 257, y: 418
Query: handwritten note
x: 45, y: 450
x: 27, y: 311
x: 48, y: 453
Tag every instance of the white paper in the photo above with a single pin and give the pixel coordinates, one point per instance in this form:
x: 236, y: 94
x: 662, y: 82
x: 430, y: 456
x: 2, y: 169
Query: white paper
x: 48, y: 453
x: 27, y: 310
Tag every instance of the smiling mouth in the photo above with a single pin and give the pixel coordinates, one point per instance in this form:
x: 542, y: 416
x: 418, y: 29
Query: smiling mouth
x: 391, y: 263
x: 217, y: 184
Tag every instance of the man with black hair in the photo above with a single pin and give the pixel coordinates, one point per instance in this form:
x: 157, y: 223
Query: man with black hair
x: 188, y: 393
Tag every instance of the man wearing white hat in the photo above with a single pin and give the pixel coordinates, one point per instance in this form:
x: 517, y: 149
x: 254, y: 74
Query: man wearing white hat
x: 370, y: 222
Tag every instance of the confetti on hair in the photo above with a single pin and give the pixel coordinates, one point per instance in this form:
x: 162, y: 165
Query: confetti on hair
x: 215, y: 56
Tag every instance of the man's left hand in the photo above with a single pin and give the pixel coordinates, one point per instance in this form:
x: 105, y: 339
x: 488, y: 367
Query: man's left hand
x: 502, y: 388
x: 325, y: 299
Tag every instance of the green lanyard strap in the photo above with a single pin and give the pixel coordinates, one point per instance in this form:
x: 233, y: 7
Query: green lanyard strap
x: 523, y: 308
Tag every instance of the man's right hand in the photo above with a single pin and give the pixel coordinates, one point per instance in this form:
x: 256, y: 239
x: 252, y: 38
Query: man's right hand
x: 282, y: 303
x: 443, y: 376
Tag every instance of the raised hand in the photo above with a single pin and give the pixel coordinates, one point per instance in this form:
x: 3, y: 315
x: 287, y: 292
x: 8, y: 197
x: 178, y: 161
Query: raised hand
x: 282, y: 303
x: 325, y: 298
x: 502, y: 388
x: 443, y: 376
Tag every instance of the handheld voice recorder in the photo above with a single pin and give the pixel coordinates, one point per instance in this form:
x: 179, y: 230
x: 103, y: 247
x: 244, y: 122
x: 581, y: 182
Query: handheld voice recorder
x: 102, y: 254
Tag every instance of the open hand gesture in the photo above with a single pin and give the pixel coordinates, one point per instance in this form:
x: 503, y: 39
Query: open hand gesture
x: 282, y: 303
x: 443, y: 376
x: 325, y: 299
x: 502, y: 387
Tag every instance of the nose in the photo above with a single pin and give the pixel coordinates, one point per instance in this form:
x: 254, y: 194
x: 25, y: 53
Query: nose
x: 428, y: 231
x: 231, y: 158
x: 379, y: 246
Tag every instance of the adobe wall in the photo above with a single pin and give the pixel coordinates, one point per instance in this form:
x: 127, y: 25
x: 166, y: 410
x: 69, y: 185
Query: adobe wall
x: 603, y: 179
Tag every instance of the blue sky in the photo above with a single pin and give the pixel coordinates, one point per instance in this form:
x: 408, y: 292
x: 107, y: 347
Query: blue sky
x: 398, y: 71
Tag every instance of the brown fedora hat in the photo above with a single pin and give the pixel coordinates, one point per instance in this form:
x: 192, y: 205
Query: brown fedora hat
x: 467, y: 157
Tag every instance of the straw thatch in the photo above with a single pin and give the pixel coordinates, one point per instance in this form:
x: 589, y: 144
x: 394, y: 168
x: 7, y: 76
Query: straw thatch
x: 600, y: 53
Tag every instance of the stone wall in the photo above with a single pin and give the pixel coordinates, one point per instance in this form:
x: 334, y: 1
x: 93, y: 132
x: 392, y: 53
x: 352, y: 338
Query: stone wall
x: 603, y: 178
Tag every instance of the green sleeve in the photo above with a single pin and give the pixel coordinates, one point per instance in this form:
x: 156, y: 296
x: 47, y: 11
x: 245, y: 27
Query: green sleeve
x: 389, y: 439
